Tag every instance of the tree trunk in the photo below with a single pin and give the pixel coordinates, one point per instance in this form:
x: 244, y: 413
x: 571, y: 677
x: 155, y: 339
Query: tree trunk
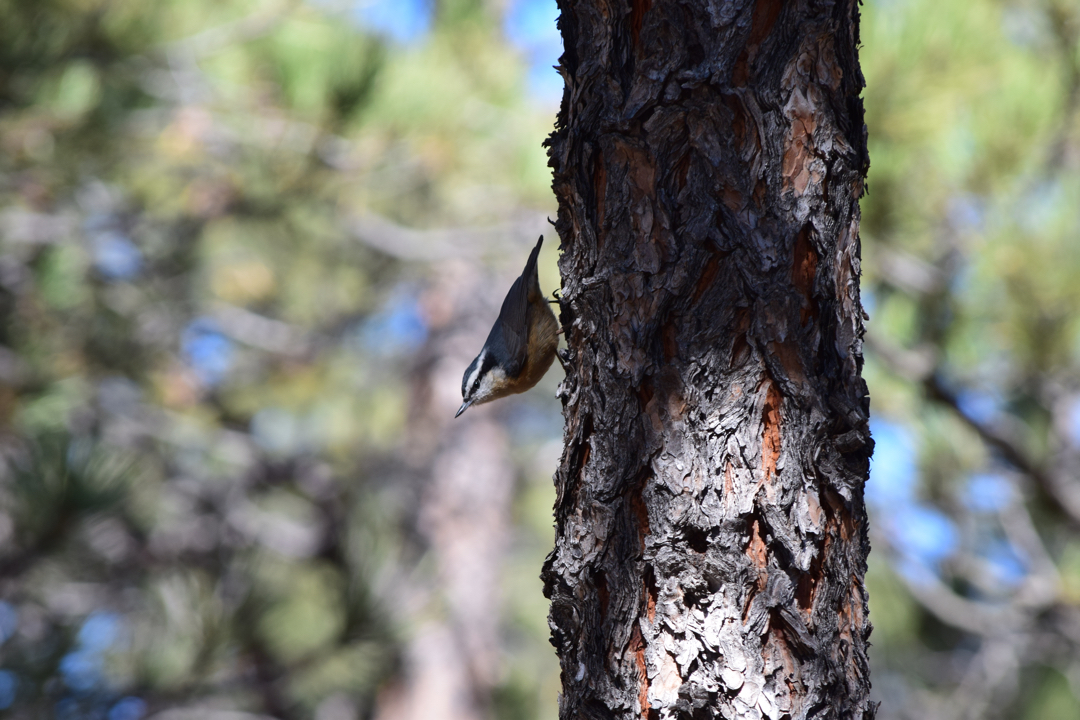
x: 711, y: 534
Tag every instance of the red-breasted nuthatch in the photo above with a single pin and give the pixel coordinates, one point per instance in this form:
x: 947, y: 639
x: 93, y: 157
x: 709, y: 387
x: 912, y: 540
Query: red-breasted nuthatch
x: 520, y: 347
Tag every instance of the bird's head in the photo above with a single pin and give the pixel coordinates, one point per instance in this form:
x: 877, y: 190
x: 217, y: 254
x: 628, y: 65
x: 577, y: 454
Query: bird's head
x: 483, y: 381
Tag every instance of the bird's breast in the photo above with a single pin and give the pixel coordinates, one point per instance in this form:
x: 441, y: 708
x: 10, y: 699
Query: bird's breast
x: 543, y: 342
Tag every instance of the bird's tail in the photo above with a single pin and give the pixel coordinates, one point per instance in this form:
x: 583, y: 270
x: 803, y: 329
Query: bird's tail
x: 530, y: 275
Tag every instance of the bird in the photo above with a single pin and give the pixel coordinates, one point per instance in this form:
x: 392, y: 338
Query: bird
x: 521, y: 346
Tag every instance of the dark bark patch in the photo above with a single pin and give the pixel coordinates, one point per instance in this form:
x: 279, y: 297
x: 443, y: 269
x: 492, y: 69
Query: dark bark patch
x: 600, y: 186
x: 803, y: 271
x: 603, y: 594
x: 850, y: 620
x: 761, y: 190
x: 637, y: 17
x: 775, y: 650
x: 670, y: 338
x: 696, y: 538
x: 793, y: 631
x: 738, y: 119
x: 741, y: 72
x: 838, y: 519
x: 740, y: 350
x: 765, y: 14
x: 732, y: 199
x: 640, y: 510
x: 682, y: 171
x: 645, y: 392
x: 585, y: 447
x: 708, y: 275
x: 740, y: 346
x: 788, y: 355
x: 671, y: 386
x: 770, y: 433
x: 807, y: 585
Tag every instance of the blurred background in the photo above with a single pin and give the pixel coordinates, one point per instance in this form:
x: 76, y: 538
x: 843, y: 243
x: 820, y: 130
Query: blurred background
x: 247, y: 248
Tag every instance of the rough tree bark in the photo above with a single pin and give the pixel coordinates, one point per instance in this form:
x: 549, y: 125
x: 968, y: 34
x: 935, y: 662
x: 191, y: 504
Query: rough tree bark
x: 711, y: 534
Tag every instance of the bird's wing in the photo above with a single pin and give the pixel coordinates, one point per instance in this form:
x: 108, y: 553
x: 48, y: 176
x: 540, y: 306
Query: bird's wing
x: 513, y: 318
x: 514, y: 315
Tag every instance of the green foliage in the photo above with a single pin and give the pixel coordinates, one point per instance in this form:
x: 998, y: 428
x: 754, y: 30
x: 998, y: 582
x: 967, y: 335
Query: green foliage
x: 1052, y: 697
x: 195, y: 417
x: 970, y: 227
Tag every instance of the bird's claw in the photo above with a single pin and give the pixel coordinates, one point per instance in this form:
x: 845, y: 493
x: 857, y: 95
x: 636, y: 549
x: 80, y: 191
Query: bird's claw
x: 563, y: 354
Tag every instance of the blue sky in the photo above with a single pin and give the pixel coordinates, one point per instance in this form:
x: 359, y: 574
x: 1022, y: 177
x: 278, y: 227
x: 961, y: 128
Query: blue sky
x: 403, y: 20
x: 921, y: 534
x: 529, y: 25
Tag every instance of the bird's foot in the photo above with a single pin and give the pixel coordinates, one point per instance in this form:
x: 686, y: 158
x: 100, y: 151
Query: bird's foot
x: 563, y: 354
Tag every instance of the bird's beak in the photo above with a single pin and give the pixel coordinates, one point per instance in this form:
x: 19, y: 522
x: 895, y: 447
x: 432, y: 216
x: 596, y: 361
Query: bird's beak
x: 464, y: 406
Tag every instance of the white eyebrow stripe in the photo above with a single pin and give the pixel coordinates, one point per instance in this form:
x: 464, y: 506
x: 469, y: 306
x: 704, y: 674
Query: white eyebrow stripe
x: 475, y: 374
